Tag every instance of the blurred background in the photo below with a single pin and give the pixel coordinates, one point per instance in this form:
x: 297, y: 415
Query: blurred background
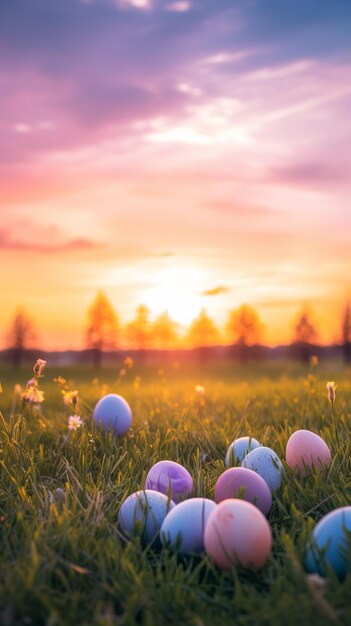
x: 174, y: 176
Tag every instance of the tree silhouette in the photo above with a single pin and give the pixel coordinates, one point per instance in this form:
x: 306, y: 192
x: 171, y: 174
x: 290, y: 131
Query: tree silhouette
x: 304, y: 334
x: 138, y: 330
x: 346, y: 333
x: 244, y: 328
x: 164, y: 333
x: 20, y: 336
x: 203, y: 332
x: 103, y: 328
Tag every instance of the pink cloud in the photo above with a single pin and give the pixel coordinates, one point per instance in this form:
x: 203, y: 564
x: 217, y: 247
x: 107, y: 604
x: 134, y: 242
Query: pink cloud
x: 47, y: 244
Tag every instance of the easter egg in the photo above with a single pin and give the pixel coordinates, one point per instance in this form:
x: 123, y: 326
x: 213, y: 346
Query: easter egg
x: 329, y: 543
x: 113, y: 412
x: 239, y: 449
x: 237, y: 533
x: 184, y: 526
x: 266, y: 463
x: 170, y: 477
x: 240, y: 482
x: 142, y: 514
x: 306, y: 450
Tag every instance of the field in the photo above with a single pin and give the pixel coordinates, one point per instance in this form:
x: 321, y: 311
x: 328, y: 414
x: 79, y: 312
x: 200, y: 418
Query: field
x: 62, y: 560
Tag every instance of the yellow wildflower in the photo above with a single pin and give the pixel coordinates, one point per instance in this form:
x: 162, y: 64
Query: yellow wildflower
x: 70, y: 397
x: 33, y: 394
x: 200, y: 390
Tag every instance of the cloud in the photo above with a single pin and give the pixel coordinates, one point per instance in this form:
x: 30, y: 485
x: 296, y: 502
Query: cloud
x: 312, y: 174
x: 216, y: 291
x: 202, y: 124
x: 92, y: 70
x: 7, y: 242
x: 226, y: 57
x: 136, y: 4
x: 281, y: 71
x: 178, y: 7
x: 159, y: 255
x: 240, y: 209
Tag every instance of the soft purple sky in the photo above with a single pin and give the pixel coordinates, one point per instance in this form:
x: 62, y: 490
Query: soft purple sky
x: 160, y: 150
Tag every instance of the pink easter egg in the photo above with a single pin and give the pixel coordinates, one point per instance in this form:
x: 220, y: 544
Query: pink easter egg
x: 237, y: 533
x: 306, y: 449
x: 240, y: 482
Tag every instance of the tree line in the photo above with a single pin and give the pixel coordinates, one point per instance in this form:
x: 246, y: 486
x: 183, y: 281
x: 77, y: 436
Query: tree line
x: 104, y: 331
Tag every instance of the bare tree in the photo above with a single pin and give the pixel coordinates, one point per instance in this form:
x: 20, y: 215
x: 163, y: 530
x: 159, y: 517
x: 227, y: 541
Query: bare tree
x: 21, y: 336
x: 203, y: 332
x: 346, y: 333
x: 138, y: 330
x: 164, y: 331
x: 305, y: 334
x: 103, y: 328
x: 244, y: 328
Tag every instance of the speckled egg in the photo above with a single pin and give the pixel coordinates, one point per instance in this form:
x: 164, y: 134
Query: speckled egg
x: 170, y: 477
x: 142, y: 514
x: 237, y: 533
x: 183, y: 529
x: 329, y: 544
x: 267, y: 464
x: 113, y: 413
x: 239, y: 449
x: 305, y: 450
x: 240, y: 482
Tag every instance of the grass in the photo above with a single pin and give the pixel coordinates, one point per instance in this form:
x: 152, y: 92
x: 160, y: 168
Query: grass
x: 62, y: 561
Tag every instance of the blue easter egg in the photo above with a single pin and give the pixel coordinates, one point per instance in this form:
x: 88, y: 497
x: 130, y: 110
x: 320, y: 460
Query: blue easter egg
x: 184, y: 526
x: 330, y: 543
x: 239, y: 449
x: 113, y: 412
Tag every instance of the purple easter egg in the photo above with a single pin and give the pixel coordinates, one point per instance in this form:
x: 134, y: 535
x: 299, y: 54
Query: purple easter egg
x: 245, y: 484
x: 170, y: 477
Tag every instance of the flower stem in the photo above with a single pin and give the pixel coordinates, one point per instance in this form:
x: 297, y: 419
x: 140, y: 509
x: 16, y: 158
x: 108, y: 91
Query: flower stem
x: 335, y: 426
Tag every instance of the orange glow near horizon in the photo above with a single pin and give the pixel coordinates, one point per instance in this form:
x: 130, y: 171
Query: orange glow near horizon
x: 59, y: 290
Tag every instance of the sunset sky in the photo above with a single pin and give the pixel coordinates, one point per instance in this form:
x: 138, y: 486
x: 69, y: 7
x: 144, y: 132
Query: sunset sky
x: 179, y: 154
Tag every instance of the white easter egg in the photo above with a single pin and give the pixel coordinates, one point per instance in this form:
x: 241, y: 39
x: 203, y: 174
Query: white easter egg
x: 142, y: 514
x: 239, y: 449
x: 184, y: 526
x: 267, y: 464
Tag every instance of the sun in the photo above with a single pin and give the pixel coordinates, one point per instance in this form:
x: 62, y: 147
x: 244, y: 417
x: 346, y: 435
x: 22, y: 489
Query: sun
x: 177, y: 290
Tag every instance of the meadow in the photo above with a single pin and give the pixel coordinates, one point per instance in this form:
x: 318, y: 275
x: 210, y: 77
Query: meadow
x: 62, y: 558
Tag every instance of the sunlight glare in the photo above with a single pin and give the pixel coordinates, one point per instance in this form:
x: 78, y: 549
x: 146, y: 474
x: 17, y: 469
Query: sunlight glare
x: 177, y: 291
